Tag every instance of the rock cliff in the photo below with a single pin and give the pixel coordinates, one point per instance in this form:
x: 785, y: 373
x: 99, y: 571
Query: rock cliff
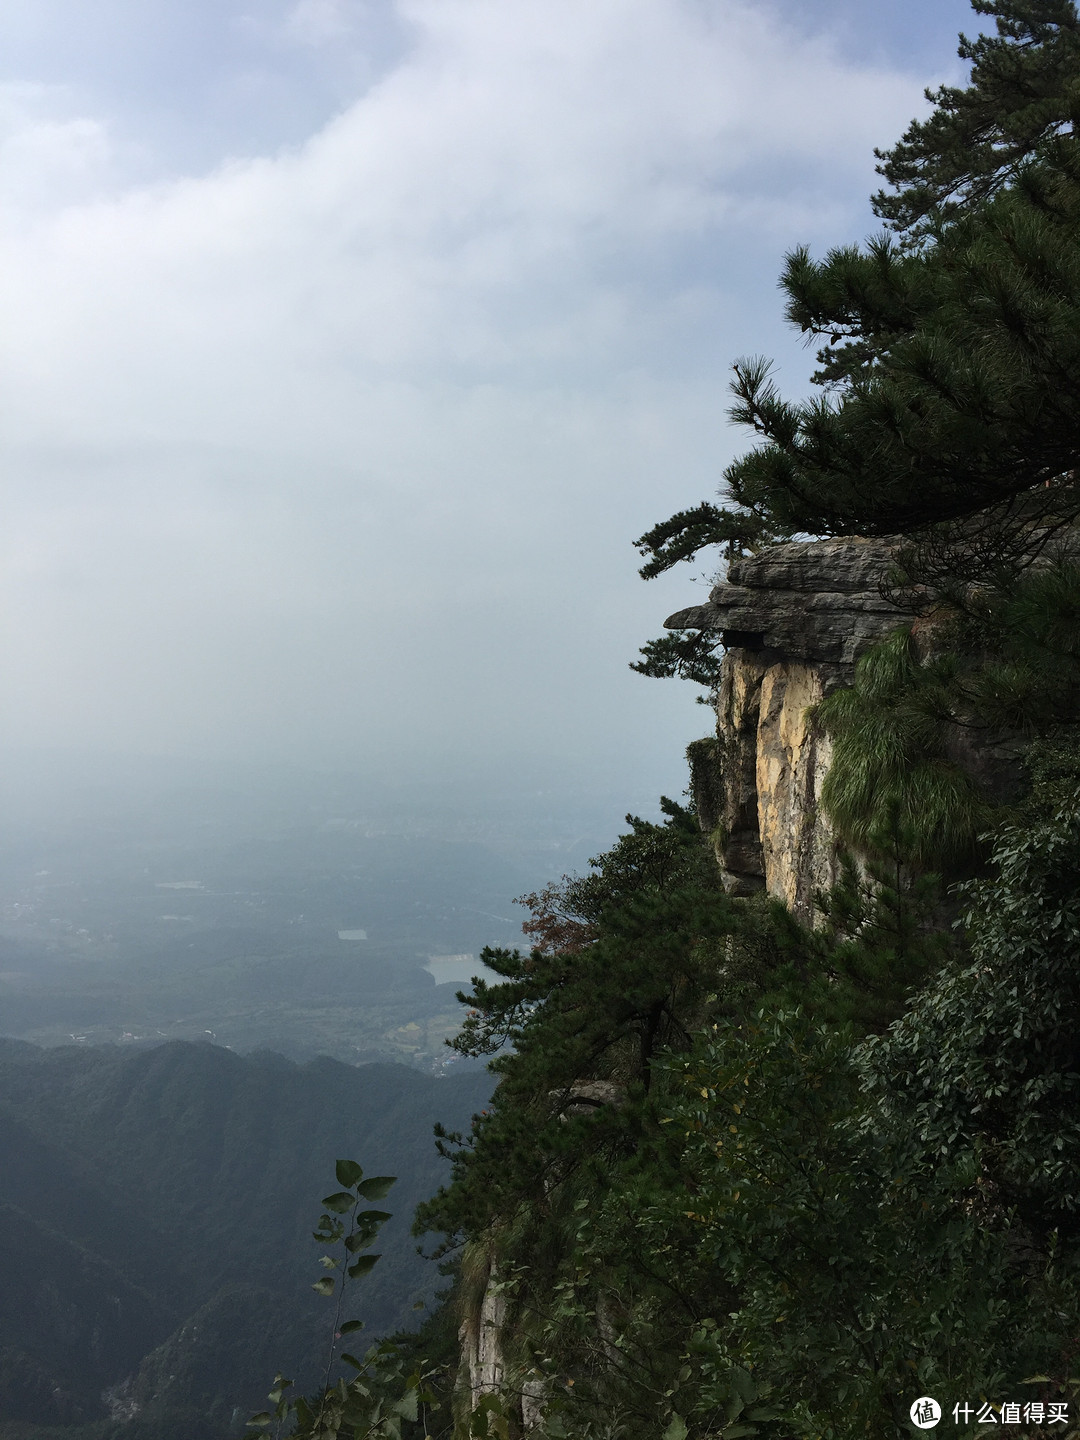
x: 794, y: 619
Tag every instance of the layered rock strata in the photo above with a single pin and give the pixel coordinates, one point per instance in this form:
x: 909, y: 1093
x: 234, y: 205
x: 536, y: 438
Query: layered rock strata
x: 794, y: 619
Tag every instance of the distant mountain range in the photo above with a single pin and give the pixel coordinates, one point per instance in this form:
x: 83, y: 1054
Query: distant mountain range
x: 156, y: 1206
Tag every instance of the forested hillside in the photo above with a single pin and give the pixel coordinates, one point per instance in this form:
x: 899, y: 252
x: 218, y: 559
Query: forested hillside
x: 156, y: 1213
x: 746, y: 1176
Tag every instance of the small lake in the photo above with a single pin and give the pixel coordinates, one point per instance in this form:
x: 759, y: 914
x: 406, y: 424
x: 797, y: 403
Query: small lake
x: 457, y: 969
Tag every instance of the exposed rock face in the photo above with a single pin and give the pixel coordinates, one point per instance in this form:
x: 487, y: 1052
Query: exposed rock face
x: 481, y: 1337
x: 588, y: 1096
x: 794, y: 618
x: 816, y: 601
x: 489, y: 1364
x: 485, y: 1367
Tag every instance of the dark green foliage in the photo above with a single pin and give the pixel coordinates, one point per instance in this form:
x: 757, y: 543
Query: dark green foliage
x: 861, y: 300
x: 598, y: 1012
x: 1053, y: 763
x: 957, y: 396
x: 867, y: 1270
x: 706, y: 760
x: 956, y: 379
x: 1024, y: 90
x: 881, y: 936
x: 1003, y: 671
x: 891, y: 783
x: 787, y: 1206
x: 434, y: 1351
x: 579, y: 1191
x: 953, y: 364
x: 572, y: 1125
x: 681, y: 537
x: 793, y: 1229
x: 688, y: 654
x: 1025, y: 638
x: 809, y: 1230
x: 985, y: 1067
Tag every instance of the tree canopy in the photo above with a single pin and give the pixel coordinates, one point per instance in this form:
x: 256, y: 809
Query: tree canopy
x: 950, y: 372
x: 1025, y: 88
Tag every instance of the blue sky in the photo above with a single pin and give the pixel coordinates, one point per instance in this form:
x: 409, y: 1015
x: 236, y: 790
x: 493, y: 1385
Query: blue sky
x: 347, y: 346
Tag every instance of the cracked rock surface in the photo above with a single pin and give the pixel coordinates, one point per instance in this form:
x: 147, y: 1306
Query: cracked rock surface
x: 793, y: 618
x: 816, y: 601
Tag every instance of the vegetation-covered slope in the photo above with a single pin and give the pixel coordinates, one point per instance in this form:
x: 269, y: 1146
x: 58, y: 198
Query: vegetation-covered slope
x: 157, y: 1209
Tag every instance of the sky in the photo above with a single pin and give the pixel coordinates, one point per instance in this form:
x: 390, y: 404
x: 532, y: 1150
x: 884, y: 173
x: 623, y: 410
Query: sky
x: 347, y: 345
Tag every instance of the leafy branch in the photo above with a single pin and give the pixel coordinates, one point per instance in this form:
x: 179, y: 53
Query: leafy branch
x: 382, y: 1393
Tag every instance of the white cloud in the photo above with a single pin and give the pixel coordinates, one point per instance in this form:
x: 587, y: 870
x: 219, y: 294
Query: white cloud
x: 296, y: 443
x: 47, y: 155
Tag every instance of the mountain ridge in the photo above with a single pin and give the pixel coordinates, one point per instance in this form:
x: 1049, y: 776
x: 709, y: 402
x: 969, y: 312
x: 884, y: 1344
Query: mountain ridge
x: 169, y: 1195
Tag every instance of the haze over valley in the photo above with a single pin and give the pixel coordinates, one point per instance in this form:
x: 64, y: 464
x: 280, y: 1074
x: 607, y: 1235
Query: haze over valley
x: 296, y: 911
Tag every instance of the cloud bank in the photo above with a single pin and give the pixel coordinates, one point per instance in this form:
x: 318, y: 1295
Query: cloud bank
x: 336, y: 453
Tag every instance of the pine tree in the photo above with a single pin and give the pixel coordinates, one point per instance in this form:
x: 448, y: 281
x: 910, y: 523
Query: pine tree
x: 950, y: 375
x: 1025, y: 88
